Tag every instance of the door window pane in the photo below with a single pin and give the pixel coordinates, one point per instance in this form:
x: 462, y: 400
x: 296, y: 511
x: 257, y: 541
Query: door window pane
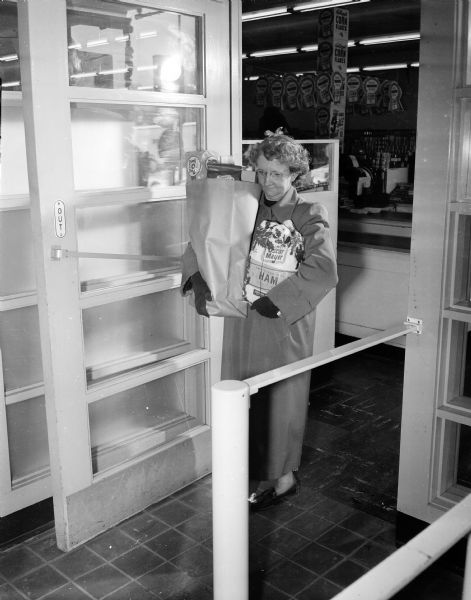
x: 131, y: 422
x: 116, y: 146
x: 27, y: 440
x: 118, y: 45
x: 21, y: 349
x: 137, y: 332
x: 16, y: 276
x: 9, y: 61
x: 148, y: 229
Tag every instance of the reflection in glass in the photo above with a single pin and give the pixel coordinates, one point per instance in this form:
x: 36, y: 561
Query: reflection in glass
x: 27, y: 445
x: 116, y: 146
x: 147, y: 229
x: 118, y: 45
x: 127, y: 424
x: 9, y: 59
x: 134, y: 333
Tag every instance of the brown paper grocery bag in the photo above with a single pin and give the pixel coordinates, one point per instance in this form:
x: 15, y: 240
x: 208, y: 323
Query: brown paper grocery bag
x: 221, y: 214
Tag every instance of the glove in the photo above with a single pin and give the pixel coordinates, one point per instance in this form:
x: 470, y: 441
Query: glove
x: 202, y: 293
x: 265, y: 307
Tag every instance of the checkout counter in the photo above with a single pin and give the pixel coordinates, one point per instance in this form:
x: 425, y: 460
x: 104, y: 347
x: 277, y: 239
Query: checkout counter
x: 374, y: 235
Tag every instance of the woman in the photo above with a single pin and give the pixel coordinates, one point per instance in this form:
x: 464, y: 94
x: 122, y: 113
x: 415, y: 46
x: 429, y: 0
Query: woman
x: 279, y: 328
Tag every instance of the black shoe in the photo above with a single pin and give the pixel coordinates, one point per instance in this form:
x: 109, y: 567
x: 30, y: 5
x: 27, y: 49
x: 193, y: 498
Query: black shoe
x: 267, y: 498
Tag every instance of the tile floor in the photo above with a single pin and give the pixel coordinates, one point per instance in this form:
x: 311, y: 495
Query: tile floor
x: 310, y: 547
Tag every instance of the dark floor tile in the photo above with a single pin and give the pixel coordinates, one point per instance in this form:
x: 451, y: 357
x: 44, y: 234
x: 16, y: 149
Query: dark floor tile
x: 317, y: 558
x: 260, y: 526
x: 195, y: 590
x: 166, y: 581
x: 132, y: 591
x: 309, y: 525
x: 387, y: 538
x: 170, y: 543
x: 102, y: 581
x: 364, y: 524
x: 370, y: 554
x: 111, y: 544
x: 289, y: 577
x: 307, y: 497
x: 173, y: 513
x: 143, y: 527
x: 321, y: 435
x: 196, y: 561
x: 363, y: 496
x: 321, y: 589
x: 18, y: 561
x: 263, y: 558
x: 67, y: 592
x: 261, y: 590
x: 332, y: 510
x: 285, y: 541
x: 37, y: 583
x: 77, y: 562
x: 345, y: 573
x: 326, y: 396
x: 283, y: 512
x: 341, y: 540
x: 45, y: 546
x: 137, y: 561
x: 199, y: 498
x: 8, y: 593
x: 199, y: 527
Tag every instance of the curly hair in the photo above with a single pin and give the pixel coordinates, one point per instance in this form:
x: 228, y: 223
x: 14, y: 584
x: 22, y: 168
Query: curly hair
x: 283, y: 148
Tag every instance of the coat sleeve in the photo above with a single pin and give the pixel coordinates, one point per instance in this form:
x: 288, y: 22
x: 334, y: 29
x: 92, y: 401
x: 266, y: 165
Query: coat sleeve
x: 189, y: 268
x: 300, y: 293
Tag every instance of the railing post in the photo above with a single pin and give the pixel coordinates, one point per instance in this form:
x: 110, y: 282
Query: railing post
x: 230, y: 458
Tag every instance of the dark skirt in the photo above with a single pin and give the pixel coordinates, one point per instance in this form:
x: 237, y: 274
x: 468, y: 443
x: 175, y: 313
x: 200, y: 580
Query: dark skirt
x: 277, y: 412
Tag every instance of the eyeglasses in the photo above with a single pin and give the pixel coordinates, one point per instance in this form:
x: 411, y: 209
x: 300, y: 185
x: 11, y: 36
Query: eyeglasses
x: 274, y: 175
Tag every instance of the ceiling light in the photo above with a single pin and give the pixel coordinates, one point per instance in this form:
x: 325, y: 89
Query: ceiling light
x: 265, y: 14
x: 387, y: 39
x: 275, y: 52
x: 414, y: 64
x: 353, y: 69
x: 9, y: 57
x: 311, y: 48
x: 385, y: 67
x: 306, y: 6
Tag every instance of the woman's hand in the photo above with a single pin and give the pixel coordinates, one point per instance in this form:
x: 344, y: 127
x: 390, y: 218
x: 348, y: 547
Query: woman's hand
x: 265, y: 307
x: 202, y: 293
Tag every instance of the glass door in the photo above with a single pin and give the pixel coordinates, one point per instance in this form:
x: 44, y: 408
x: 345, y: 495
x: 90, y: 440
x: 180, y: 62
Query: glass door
x: 114, y: 101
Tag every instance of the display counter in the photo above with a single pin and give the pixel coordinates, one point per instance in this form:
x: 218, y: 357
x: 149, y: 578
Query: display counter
x: 385, y: 228
x: 373, y: 266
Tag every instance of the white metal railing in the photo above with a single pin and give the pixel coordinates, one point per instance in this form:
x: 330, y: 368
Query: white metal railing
x: 230, y: 477
x: 404, y: 565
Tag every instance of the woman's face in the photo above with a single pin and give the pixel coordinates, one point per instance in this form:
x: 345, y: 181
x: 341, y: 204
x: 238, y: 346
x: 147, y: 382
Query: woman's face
x: 274, y: 177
